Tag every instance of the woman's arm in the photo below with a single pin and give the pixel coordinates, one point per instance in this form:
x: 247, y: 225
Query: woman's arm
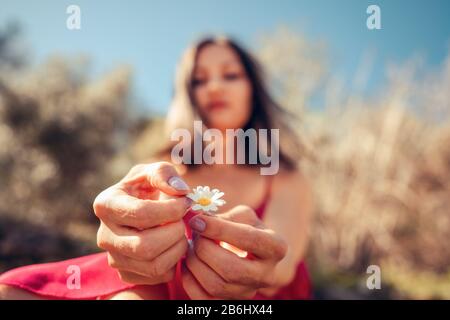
x: 289, y: 214
x: 14, y: 293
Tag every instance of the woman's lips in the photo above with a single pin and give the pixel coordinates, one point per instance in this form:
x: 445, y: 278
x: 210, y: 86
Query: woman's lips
x: 216, y: 105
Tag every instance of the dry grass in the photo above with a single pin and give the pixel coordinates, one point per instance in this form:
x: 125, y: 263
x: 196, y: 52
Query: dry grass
x: 380, y: 170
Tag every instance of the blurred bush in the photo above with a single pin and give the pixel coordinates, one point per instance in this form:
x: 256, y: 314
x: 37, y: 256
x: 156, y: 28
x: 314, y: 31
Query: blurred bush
x: 59, y: 130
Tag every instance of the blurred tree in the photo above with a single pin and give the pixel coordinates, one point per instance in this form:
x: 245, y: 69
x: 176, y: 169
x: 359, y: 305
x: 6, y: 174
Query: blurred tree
x: 11, y: 55
x: 59, y: 129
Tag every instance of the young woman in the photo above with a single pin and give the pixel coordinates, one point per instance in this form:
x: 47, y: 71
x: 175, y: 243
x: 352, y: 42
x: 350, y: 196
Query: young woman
x: 158, y: 247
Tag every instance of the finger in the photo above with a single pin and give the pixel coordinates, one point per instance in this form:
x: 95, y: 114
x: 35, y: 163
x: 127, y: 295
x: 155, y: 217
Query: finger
x: 161, y: 176
x: 156, y: 268
x: 213, y: 283
x: 263, y: 243
x: 134, y: 278
x: 193, y: 289
x: 143, y: 245
x: 123, y: 209
x: 242, y: 214
x: 229, y: 266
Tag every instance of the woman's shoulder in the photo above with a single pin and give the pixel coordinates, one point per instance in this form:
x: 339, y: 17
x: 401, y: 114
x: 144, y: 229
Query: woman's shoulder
x: 291, y: 180
x: 294, y: 187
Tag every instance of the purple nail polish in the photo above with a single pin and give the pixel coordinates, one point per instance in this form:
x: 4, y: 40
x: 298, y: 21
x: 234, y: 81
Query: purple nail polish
x: 194, y: 236
x: 197, y: 224
x: 189, y: 202
x: 178, y: 183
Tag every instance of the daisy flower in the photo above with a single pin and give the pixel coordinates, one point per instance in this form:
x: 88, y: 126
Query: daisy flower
x: 209, y: 200
x: 206, y: 199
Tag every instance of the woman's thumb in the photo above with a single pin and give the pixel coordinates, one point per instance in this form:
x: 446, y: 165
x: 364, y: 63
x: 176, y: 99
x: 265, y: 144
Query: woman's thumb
x: 164, y: 177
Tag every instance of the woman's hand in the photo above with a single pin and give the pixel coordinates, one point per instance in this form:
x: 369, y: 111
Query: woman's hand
x: 214, y: 272
x: 143, y: 233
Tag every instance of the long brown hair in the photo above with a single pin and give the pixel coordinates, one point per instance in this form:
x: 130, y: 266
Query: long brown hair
x: 266, y: 113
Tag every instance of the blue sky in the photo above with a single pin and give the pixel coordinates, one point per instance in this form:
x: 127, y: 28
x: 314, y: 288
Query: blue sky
x: 150, y: 35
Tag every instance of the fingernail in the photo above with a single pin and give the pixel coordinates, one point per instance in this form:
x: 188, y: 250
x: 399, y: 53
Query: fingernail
x: 197, y: 224
x: 178, y: 183
x: 188, y: 201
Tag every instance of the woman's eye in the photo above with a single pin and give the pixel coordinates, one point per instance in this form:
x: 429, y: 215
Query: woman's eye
x: 232, y: 76
x: 198, y: 82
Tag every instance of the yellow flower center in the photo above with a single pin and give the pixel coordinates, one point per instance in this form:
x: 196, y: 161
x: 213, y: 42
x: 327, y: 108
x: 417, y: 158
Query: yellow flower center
x: 203, y: 201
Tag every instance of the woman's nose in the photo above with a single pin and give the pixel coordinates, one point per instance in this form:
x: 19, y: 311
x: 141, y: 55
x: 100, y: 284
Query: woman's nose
x: 215, y: 85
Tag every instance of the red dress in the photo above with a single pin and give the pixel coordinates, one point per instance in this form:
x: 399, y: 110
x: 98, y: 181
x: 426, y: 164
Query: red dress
x: 98, y: 279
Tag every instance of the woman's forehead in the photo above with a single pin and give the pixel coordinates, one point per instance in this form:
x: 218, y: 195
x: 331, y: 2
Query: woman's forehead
x: 216, y: 55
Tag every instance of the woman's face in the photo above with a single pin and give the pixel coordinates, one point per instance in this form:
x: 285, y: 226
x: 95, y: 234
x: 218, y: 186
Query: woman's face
x: 222, y: 90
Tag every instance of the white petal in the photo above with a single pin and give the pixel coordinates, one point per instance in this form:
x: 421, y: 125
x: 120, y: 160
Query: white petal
x: 219, y: 202
x: 197, y: 207
x: 192, y: 196
x: 206, y: 194
x: 217, y: 195
x: 206, y: 208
